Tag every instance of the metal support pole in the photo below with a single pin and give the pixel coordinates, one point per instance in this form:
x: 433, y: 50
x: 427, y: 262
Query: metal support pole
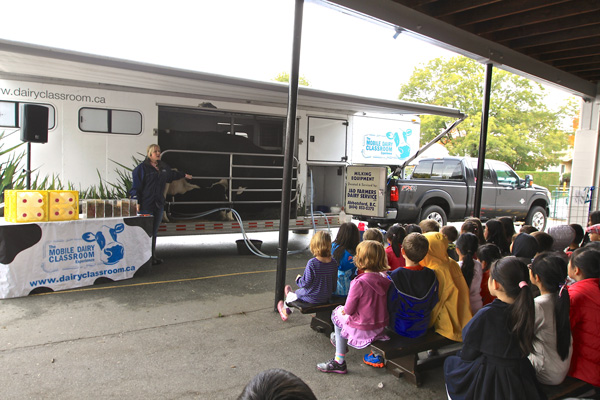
x: 290, y: 134
x: 487, y: 88
x: 28, y: 165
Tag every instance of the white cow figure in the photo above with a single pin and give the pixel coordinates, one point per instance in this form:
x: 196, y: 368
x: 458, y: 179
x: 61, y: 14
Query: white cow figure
x: 182, y: 186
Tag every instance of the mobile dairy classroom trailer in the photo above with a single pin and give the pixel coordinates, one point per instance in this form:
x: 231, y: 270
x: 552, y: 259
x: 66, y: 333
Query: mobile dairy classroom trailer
x: 104, y: 111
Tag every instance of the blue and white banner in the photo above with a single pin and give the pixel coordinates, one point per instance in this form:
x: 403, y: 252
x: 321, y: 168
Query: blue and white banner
x: 382, y: 141
x: 64, y: 255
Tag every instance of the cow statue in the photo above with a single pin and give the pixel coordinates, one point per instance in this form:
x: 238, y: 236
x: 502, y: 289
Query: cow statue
x: 218, y: 191
x: 106, y: 238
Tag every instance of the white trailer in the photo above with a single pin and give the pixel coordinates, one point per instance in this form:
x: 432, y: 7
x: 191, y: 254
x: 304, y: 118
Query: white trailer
x: 103, y: 111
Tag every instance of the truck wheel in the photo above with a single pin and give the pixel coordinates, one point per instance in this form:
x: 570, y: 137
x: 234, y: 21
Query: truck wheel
x: 536, y: 218
x: 435, y: 213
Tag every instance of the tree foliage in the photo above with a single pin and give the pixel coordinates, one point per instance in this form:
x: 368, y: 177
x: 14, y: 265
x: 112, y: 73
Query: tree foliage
x: 522, y: 131
x: 285, y: 77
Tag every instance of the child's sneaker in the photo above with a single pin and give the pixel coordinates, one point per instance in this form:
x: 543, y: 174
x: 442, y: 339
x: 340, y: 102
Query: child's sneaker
x: 373, y: 360
x: 286, y: 290
x: 333, y: 366
x: 282, y: 310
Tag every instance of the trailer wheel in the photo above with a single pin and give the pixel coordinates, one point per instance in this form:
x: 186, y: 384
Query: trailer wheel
x: 436, y: 213
x: 537, y: 218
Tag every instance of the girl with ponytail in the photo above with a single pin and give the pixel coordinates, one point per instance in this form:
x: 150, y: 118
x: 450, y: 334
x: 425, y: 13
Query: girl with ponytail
x: 394, y: 236
x: 466, y: 247
x: 553, y: 347
x: 493, y: 362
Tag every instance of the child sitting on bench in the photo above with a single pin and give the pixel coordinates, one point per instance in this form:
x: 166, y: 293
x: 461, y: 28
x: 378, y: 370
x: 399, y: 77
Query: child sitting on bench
x: 319, y: 280
x: 364, y: 317
x: 412, y: 295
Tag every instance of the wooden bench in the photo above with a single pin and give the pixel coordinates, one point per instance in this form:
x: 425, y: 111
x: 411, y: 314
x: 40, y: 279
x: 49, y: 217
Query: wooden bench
x: 321, y: 321
x: 401, y: 354
x: 571, y: 387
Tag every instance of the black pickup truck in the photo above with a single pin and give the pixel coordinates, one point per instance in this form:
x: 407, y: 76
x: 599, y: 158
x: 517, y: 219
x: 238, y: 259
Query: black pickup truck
x: 444, y: 188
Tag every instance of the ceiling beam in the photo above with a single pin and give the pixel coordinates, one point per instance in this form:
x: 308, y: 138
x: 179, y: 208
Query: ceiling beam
x: 455, y: 39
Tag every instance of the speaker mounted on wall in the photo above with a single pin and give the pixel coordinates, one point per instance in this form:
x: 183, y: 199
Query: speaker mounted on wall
x: 34, y: 124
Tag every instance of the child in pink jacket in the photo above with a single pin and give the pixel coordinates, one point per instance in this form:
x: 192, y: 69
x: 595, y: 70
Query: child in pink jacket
x: 364, y: 317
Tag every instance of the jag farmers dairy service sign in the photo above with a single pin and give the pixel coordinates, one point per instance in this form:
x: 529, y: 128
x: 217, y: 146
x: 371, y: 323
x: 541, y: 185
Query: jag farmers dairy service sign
x: 365, y: 190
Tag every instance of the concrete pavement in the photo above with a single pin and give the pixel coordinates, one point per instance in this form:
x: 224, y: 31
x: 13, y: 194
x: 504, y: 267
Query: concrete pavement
x: 199, y: 326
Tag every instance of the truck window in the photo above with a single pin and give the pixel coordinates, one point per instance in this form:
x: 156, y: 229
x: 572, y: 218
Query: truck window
x: 423, y: 170
x: 505, y: 174
x: 452, y: 170
x: 487, y: 175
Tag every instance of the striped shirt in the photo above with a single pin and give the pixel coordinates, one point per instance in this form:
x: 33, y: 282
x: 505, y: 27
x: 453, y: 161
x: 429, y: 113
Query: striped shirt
x: 318, y: 282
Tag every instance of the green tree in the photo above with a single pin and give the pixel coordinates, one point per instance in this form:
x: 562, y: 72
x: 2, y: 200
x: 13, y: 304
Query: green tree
x: 285, y: 77
x: 522, y: 131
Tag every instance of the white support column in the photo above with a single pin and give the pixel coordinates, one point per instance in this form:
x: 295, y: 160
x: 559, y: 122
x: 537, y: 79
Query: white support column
x: 586, y: 160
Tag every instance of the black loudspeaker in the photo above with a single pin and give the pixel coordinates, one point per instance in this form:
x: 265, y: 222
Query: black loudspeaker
x: 34, y: 124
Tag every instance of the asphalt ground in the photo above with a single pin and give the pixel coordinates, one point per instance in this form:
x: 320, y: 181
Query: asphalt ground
x: 199, y: 326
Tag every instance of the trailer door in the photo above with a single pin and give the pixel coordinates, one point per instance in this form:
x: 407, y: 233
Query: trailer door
x: 327, y: 139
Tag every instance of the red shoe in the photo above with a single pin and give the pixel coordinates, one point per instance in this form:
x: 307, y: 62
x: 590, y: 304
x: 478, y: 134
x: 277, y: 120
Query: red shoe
x: 282, y: 310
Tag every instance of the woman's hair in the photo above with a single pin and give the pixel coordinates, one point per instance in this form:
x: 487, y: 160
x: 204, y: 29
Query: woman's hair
x: 151, y: 149
x: 545, y: 241
x: 467, y: 243
x: 373, y: 234
x: 395, y: 235
x: 347, y: 238
x: 497, y: 236
x: 413, y: 228
x: 587, y: 259
x: 551, y: 269
x: 488, y: 253
x: 370, y: 255
x: 513, y: 275
x: 509, y: 227
x: 275, y: 384
x: 320, y: 244
x: 473, y: 225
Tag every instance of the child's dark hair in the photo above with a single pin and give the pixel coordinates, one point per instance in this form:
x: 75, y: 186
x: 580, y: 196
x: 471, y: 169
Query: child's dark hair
x: 450, y: 232
x: 412, y: 228
x: 497, y: 236
x: 551, y: 269
x: 528, y: 229
x: 545, y: 241
x: 415, y: 246
x: 489, y: 253
x: 579, y: 233
x: 274, y: 384
x: 347, y: 238
x: 473, y: 225
x: 513, y: 275
x: 587, y: 259
x: 395, y: 235
x: 594, y: 217
x: 509, y: 227
x: 467, y: 243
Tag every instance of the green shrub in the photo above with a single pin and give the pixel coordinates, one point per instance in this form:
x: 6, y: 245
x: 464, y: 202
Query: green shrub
x: 546, y: 179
